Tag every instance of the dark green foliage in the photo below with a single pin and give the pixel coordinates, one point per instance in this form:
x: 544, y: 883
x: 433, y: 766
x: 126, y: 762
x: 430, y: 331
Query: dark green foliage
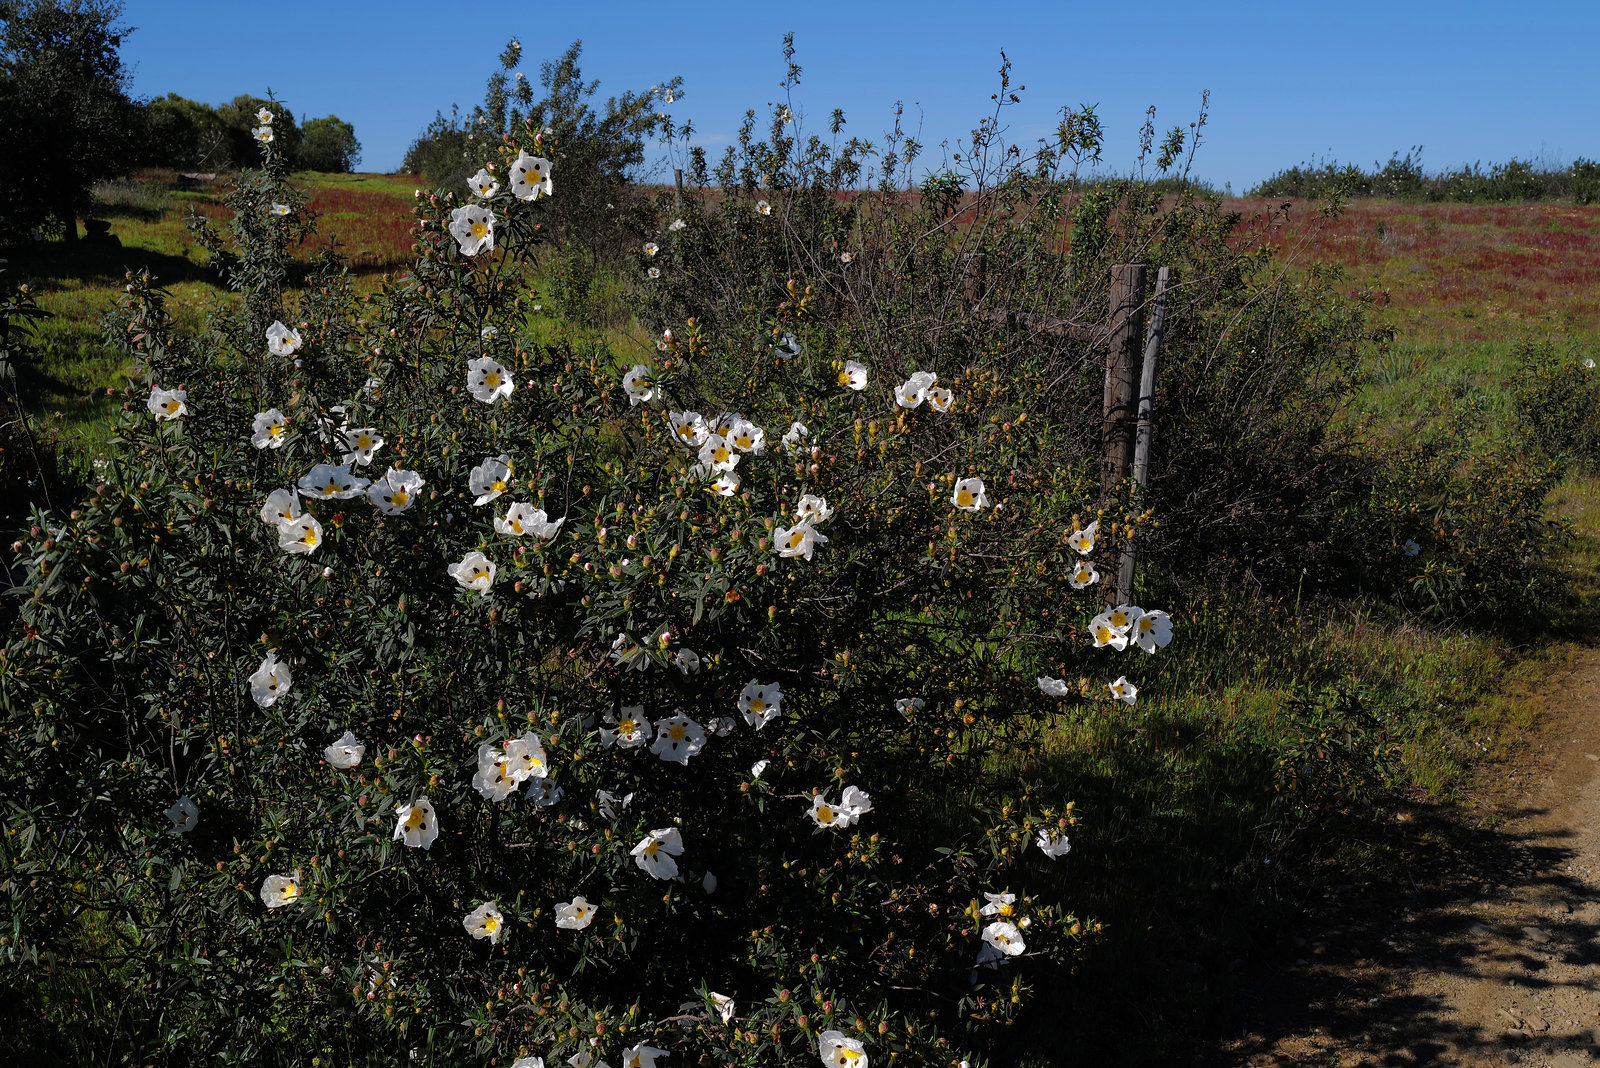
x: 1402, y: 178
x: 238, y: 117
x: 328, y: 145
x: 1556, y: 391
x: 187, y: 135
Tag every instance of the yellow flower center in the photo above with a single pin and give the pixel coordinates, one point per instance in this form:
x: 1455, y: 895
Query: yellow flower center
x: 825, y: 814
x: 491, y: 379
x: 720, y: 454
x: 275, y: 429
x: 309, y: 537
x: 171, y: 407
x: 579, y: 913
x: 479, y: 229
x: 650, y: 850
x: 757, y: 705
x: 744, y: 441
x: 844, y: 378
x: 499, y: 485
x: 290, y: 891
x: 795, y: 539
x: 1146, y: 624
x: 516, y: 525
x: 1103, y: 635
x: 416, y: 819
x: 964, y: 498
x: 627, y: 726
x: 1119, y: 620
x: 686, y: 432
x: 676, y: 732
x: 491, y: 924
x: 1005, y: 910
x: 398, y: 498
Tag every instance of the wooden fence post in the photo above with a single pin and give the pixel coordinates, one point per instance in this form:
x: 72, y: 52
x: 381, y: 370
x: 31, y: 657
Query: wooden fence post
x: 1146, y: 420
x: 1127, y: 332
x: 677, y: 181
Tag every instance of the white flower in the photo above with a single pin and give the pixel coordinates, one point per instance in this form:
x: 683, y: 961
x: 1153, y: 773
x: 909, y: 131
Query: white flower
x: 909, y: 706
x: 854, y: 803
x: 629, y: 653
x: 1053, y: 845
x: 300, y: 535
x: 487, y: 379
x: 758, y: 767
x: 688, y: 661
x: 282, y: 340
x: 1410, y: 548
x: 1152, y: 630
x: 1589, y: 363
x: 488, y: 332
x: 527, y: 1062
x: 763, y: 207
x: 280, y: 209
x: 747, y: 437
x: 654, y: 854
x: 677, y: 224
x: 651, y: 248
x: 678, y: 738
x: 280, y: 890
x: 183, y: 814
x: 1082, y: 541
x: 1004, y: 937
x: 395, y: 491
x: 1123, y: 617
x: 474, y: 571
x: 530, y: 177
x: 1123, y: 690
x: 638, y: 384
x: 846, y: 257
x: 329, y: 430
x: 998, y: 905
x: 1105, y: 634
x: 575, y: 915
x: 1053, y: 687
x: 761, y: 703
x: 263, y: 134
x: 718, y: 454
x: 493, y: 778
x: 280, y: 507
x: 264, y: 117
x: 794, y: 438
x: 361, y: 444
x: 787, y: 349
x: 837, y: 1051
x: 633, y: 730
x: 641, y: 1056
x: 526, y: 757
x: 585, y: 1058
x: 329, y: 482
x: 416, y: 824
x: 483, y: 184
x: 721, y: 725
x: 914, y: 390
x: 520, y: 519
x: 825, y: 813
x: 490, y: 478
x: 609, y: 804
x: 485, y: 921
x: 940, y: 400
x: 969, y: 495
x: 543, y: 792
x: 268, y: 429
x: 472, y: 225
x: 812, y: 509
x: 1084, y: 575
x: 270, y: 681
x: 853, y: 376
x: 167, y: 403
x: 798, y: 540
x: 690, y: 428
x: 345, y: 752
x: 654, y: 272
x: 723, y: 425
x: 724, y: 1006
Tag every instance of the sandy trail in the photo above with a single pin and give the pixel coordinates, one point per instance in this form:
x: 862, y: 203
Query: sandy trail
x: 1492, y: 958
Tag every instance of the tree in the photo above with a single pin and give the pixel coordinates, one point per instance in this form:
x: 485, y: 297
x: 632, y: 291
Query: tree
x: 329, y: 145
x: 239, y: 116
x: 185, y: 134
x: 69, y: 122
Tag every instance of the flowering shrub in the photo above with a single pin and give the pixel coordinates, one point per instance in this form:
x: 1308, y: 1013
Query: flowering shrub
x: 410, y: 690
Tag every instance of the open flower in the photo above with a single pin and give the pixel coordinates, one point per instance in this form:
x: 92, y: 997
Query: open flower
x: 747, y: 437
x: 998, y: 905
x: 689, y: 427
x: 654, y: 272
x: 264, y: 117
x: 794, y: 439
x: 633, y: 730
x: 1106, y: 634
x: 280, y: 890
x: 483, y: 184
x: 687, y: 660
x: 485, y: 921
x: 183, y: 814
x: 722, y: 426
x: 346, y: 752
x: 282, y: 340
x: 270, y: 681
x: 654, y: 854
x: 763, y: 208
x: 487, y: 380
x: 798, y: 540
x: 300, y: 535
x: 330, y: 482
x: 416, y: 824
x: 526, y: 758
x: 268, y: 429
x: 1152, y: 630
x: 1082, y: 541
x: 914, y: 390
x: 531, y: 520
x: 544, y: 792
x: 1053, y: 845
x: 787, y: 348
x: 263, y: 134
x: 472, y: 225
x: 677, y: 224
x: 940, y: 400
x: 678, y: 738
x: 724, y: 1006
x: 638, y: 384
x: 473, y: 571
x: 575, y: 915
x: 280, y: 209
x: 718, y: 454
x: 1004, y: 936
x: 761, y: 703
x: 281, y: 506
x: 490, y: 478
x: 1123, y: 690
x: 395, y: 491
x: 838, y: 1051
x: 1053, y: 687
x: 651, y: 248
x: 812, y: 509
x: 969, y: 495
x: 493, y: 778
x: 1123, y: 617
x: 167, y: 403
x: 1411, y: 548
x: 1083, y: 575
x: 361, y: 443
x: 853, y: 376
x: 909, y: 706
x: 530, y: 177
x: 641, y: 1056
x: 855, y: 803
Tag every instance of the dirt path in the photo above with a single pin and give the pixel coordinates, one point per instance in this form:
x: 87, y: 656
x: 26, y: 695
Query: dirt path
x: 1491, y: 957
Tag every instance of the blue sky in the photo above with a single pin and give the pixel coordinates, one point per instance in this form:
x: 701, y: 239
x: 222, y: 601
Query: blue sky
x: 1289, y: 80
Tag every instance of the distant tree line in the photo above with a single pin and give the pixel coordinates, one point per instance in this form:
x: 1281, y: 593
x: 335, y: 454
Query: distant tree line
x: 1403, y: 178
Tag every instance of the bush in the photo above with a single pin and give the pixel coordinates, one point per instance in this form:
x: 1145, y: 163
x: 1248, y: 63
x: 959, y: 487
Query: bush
x: 1556, y: 394
x: 329, y: 145
x: 186, y: 135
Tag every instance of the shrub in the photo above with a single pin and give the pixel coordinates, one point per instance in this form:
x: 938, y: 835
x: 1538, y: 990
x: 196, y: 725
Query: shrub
x: 1556, y: 394
x: 329, y: 145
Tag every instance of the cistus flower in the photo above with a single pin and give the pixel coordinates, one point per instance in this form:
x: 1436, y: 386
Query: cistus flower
x: 629, y: 653
x: 1004, y: 936
x: 493, y: 778
x: 638, y: 384
x: 1083, y: 575
x: 280, y: 890
x: 940, y: 400
x: 798, y: 540
x: 280, y: 209
x: 794, y: 439
x: 812, y: 509
x: 530, y: 177
x: 678, y: 738
x: 525, y: 519
x: 267, y: 431
x: 280, y: 507
x: 1053, y: 845
x: 688, y: 661
x: 264, y: 117
x: 543, y: 792
x: 839, y: 1051
x: 1123, y: 690
x: 416, y: 824
x: 1410, y: 548
x: 487, y: 380
x: 654, y: 272
x: 677, y: 224
x: 472, y: 225
x: 854, y: 803
x: 761, y: 703
x: 183, y: 814
x: 724, y: 1006
x: 969, y: 495
x: 282, y: 340
x: 718, y: 454
x: 270, y: 681
x: 526, y: 758
x: 1082, y: 541
x: 263, y: 134
x: 641, y: 1056
x: 632, y: 729
x: 395, y: 491
x: 909, y: 706
x: 853, y: 376
x: 654, y: 854
x: 914, y: 390
x: 346, y: 752
x: 1053, y: 687
x: 747, y: 437
x: 332, y: 482
x: 490, y: 478
x: 473, y: 571
x: 361, y: 443
x: 763, y: 208
x: 787, y: 348
x: 689, y: 428
x: 1123, y: 617
x: 483, y: 184
x: 300, y: 535
x: 1152, y: 630
x: 167, y: 403
x: 1105, y: 634
x: 998, y: 905
x: 574, y: 915
x: 651, y: 248
x: 485, y: 921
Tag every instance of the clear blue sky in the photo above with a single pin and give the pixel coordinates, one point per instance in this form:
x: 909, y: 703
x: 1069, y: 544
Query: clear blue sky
x: 1289, y: 80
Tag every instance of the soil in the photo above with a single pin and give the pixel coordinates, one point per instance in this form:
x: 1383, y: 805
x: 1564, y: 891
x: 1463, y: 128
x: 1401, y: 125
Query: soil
x: 1486, y: 953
